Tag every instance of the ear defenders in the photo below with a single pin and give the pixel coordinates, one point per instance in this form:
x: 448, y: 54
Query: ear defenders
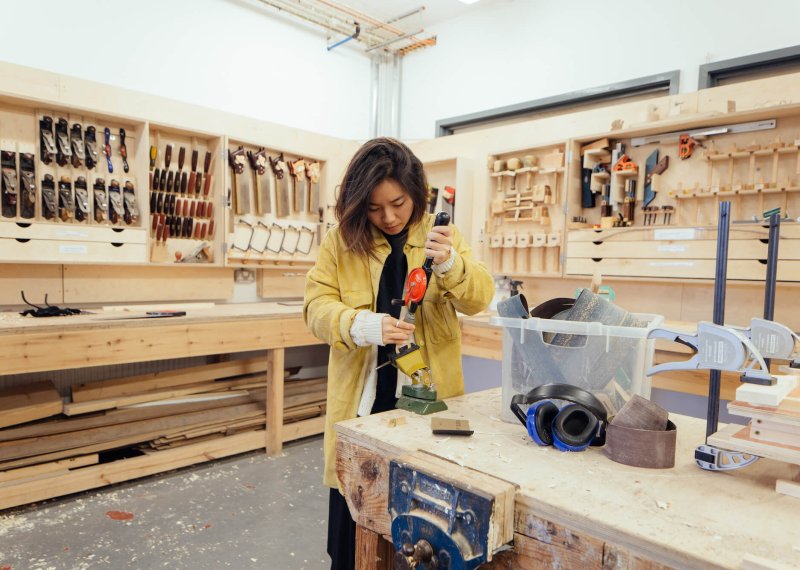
x: 574, y: 427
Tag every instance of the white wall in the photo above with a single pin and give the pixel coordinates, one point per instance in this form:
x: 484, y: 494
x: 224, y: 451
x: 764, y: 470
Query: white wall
x: 511, y: 51
x: 234, y: 55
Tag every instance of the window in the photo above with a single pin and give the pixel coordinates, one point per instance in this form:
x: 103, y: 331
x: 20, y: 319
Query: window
x: 635, y: 89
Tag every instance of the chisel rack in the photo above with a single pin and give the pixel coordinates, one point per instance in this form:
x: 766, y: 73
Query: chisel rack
x: 525, y: 226
x: 275, y: 207
x: 184, y: 199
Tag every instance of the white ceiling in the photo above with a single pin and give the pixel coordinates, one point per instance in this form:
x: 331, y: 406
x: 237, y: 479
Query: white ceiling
x: 436, y: 11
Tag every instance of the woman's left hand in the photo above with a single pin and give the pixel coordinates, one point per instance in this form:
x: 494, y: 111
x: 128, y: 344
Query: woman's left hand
x: 438, y: 244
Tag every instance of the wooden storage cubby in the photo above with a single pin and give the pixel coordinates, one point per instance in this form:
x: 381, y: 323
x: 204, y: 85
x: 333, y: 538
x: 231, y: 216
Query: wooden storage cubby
x: 756, y: 170
x: 192, y: 214
x: 272, y: 220
x: 31, y: 233
x: 525, y: 225
x: 454, y: 176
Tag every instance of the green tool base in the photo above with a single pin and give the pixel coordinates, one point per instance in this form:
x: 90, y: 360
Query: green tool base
x: 420, y: 406
x: 420, y: 399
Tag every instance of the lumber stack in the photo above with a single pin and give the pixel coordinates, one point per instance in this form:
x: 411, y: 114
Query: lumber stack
x: 42, y: 438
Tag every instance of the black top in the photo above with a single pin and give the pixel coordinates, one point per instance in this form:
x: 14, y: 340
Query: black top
x: 393, y: 279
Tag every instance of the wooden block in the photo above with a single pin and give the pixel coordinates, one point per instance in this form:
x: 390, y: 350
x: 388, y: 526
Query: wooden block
x: 364, y: 480
x: 29, y: 402
x: 767, y: 395
x: 788, y: 488
x: 737, y: 438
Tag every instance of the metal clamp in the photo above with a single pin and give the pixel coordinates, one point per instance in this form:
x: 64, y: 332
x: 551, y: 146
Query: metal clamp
x: 436, y: 524
x: 716, y: 347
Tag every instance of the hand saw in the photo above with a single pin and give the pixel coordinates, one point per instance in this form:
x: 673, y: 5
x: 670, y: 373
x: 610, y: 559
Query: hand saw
x: 280, y: 169
x: 237, y: 159
x: 258, y: 162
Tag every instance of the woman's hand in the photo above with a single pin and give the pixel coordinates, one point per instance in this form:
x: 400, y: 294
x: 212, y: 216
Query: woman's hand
x: 438, y: 244
x: 396, y: 331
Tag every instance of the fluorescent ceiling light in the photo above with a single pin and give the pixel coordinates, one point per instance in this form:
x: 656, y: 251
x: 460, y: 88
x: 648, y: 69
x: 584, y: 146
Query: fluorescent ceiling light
x: 468, y: 1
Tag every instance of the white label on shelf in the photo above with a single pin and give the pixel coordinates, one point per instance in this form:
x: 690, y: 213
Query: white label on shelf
x: 680, y: 233
x: 672, y: 264
x: 672, y: 248
x: 73, y: 249
x: 72, y: 233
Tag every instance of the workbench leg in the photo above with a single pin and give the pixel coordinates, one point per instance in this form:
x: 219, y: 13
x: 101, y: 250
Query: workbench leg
x: 274, y: 434
x: 373, y: 552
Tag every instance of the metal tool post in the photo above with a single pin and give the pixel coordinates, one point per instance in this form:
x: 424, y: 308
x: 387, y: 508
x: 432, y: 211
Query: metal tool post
x: 772, y: 269
x: 720, y: 278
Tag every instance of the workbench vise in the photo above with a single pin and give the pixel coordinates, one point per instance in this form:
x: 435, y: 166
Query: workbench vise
x: 436, y: 524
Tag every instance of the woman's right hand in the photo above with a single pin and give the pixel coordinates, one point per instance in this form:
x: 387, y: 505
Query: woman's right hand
x: 396, y: 331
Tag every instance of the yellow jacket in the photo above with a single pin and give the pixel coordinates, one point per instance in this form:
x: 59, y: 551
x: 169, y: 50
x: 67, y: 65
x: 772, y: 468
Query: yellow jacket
x: 341, y: 284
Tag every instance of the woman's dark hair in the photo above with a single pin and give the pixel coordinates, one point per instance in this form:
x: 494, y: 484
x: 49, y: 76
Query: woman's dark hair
x: 377, y: 160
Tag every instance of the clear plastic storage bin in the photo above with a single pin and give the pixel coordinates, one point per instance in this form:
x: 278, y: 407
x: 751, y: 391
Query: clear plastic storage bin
x: 609, y: 361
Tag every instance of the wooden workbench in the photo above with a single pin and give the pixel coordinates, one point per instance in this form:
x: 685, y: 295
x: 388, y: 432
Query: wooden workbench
x: 106, y: 338
x: 579, y: 510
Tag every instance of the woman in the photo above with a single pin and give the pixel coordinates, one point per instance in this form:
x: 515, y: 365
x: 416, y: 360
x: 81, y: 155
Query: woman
x: 383, y: 232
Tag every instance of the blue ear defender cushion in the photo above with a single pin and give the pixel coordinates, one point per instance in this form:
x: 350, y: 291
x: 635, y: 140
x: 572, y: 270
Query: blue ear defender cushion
x: 539, y: 421
x: 573, y: 428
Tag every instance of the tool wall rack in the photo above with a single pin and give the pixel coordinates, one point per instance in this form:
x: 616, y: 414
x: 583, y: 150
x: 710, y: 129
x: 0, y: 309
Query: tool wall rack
x: 185, y: 182
x: 275, y: 212
x: 525, y: 227
x: 71, y: 187
x: 654, y: 214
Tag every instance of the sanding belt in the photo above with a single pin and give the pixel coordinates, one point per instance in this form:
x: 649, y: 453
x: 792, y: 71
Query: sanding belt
x: 641, y: 435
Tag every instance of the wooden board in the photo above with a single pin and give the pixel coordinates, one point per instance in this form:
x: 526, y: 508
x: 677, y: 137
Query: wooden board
x: 129, y: 432
x: 737, y: 438
x: 154, y: 395
x: 30, y: 402
x: 132, y: 468
x: 113, y: 417
x: 669, y: 517
x: 219, y: 330
x: 166, y: 378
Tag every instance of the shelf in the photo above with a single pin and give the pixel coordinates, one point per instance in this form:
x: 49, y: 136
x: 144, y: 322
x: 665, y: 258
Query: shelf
x: 715, y: 193
x: 627, y: 173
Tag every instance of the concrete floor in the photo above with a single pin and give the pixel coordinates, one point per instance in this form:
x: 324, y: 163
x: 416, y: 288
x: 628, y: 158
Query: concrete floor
x: 248, y: 511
